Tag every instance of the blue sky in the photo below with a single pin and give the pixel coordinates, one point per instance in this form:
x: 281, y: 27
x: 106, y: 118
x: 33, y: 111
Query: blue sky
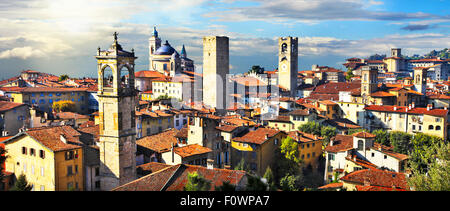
x: 61, y: 37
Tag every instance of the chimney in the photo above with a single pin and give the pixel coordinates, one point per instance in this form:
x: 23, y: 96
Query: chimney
x: 413, y: 104
x: 210, y: 164
x: 267, y: 136
x: 409, y: 107
x: 173, y: 154
x: 395, y: 108
x: 63, y: 138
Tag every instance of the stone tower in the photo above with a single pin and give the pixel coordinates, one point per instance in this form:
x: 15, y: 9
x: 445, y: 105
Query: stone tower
x: 215, y: 69
x: 396, y: 52
x: 369, y: 82
x: 154, y: 44
x: 288, y: 63
x: 420, y: 80
x: 116, y: 96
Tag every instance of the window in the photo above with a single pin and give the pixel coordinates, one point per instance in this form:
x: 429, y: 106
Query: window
x: 276, y: 141
x: 97, y: 184
x: 385, y: 156
x: 438, y: 127
x: 24, y: 150
x: 373, y: 154
x: 360, y: 144
x: 76, y: 169
x: 69, y: 170
x: 97, y: 171
x: 430, y: 127
x: 32, y: 152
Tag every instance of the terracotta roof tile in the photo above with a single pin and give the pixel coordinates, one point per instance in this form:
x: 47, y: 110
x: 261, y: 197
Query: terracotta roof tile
x: 161, y: 142
x: 258, y: 136
x: 190, y: 150
x: 51, y: 137
x: 340, y: 143
x: 375, y: 177
x: 6, y: 106
x: 402, y: 109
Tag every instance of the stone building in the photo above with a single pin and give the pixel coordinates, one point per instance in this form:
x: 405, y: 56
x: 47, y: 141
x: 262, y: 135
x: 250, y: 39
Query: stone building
x: 117, y: 96
x: 288, y: 63
x: 215, y: 70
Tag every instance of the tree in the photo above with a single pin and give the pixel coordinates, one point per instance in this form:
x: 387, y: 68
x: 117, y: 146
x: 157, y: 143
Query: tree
x: 197, y: 182
x: 256, y: 69
x: 241, y: 166
x: 310, y: 127
x: 63, y: 77
x: 327, y: 133
x: 254, y: 183
x: 268, y: 175
x: 437, y: 178
x: 421, y: 151
x: 226, y: 186
x: 64, y: 106
x: 289, y: 147
x: 401, y: 141
x: 22, y: 184
x: 291, y: 183
x: 382, y: 137
x: 349, y: 74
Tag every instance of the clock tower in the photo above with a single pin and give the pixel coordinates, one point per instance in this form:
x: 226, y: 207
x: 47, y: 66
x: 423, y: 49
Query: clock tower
x: 288, y: 63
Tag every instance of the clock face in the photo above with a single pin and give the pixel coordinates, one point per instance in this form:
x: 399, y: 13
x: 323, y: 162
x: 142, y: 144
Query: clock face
x: 283, y: 67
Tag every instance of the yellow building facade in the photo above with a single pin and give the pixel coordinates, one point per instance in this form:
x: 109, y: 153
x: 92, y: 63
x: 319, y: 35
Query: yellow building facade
x: 48, y: 164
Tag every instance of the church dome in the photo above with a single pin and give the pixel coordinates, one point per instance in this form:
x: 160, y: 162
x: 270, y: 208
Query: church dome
x: 165, y: 49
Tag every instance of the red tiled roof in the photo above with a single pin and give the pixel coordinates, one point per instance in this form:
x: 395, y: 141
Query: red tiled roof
x: 375, y: 177
x: 174, y: 178
x: 51, y: 89
x: 402, y: 109
x: 331, y: 186
x: 382, y: 94
x: 190, y: 150
x: 340, y: 143
x: 51, y: 137
x: 161, y: 142
x: 363, y: 134
x: 148, y: 74
x: 258, y: 136
x: 5, y: 106
x: 71, y: 115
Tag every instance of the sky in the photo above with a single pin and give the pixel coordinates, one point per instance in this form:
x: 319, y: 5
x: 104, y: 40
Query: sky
x: 62, y: 37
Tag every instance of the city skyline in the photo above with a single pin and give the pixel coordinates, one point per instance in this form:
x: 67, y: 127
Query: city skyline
x: 62, y: 37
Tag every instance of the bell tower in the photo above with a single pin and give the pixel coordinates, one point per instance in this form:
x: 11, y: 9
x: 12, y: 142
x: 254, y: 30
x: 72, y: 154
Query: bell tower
x: 420, y: 79
x: 154, y: 44
x: 116, y: 96
x: 288, y: 63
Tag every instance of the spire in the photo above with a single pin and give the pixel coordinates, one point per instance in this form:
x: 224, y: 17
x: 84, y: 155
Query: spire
x: 183, y: 52
x: 155, y: 33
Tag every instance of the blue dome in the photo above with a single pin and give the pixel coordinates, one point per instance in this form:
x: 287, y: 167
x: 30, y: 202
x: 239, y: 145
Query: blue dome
x: 165, y: 49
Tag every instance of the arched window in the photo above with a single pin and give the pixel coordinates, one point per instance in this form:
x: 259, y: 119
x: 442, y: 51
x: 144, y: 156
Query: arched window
x: 430, y: 127
x: 360, y: 144
x: 108, y: 77
x: 438, y: 127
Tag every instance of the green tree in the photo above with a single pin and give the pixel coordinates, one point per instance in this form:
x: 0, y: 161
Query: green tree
x: 382, y: 137
x: 349, y: 74
x: 63, y: 77
x: 254, y: 183
x: 421, y: 151
x: 226, y: 186
x: 256, y: 69
x: 289, y: 147
x: 22, y: 184
x: 242, y: 166
x: 197, y: 182
x: 291, y: 183
x: 437, y: 177
x: 310, y: 127
x: 268, y: 175
x: 401, y: 141
x: 64, y: 106
x: 327, y: 133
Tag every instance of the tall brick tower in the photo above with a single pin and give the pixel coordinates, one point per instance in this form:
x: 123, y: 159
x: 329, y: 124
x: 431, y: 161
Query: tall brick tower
x: 288, y: 63
x: 216, y: 64
x: 369, y: 82
x: 116, y: 96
